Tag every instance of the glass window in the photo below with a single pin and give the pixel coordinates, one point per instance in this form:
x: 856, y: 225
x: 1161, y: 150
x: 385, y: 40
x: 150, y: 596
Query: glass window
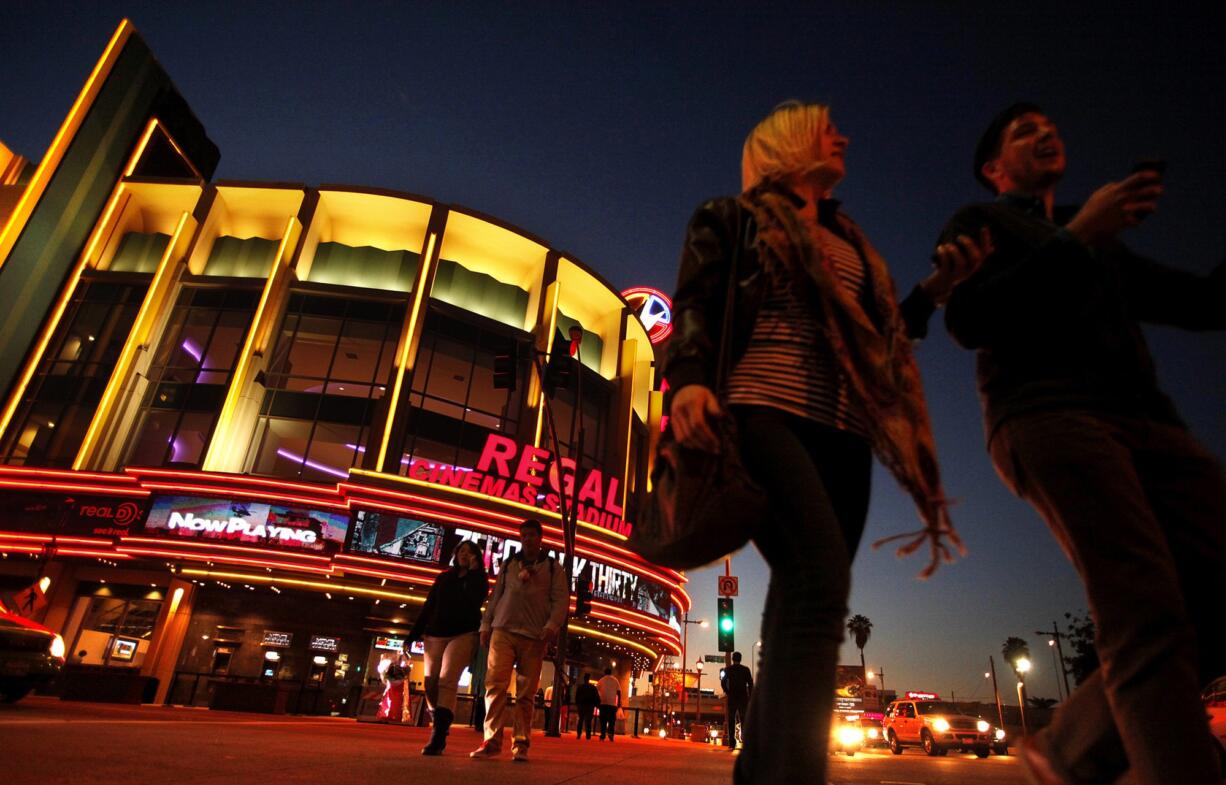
x: 115, y: 631
x: 50, y: 423
x: 328, y: 371
x: 189, y: 376
x: 598, y: 404
x: 453, y: 405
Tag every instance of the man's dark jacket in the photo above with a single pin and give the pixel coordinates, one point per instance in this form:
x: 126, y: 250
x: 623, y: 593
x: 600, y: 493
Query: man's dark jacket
x: 586, y: 694
x: 702, y: 288
x: 1056, y: 325
x: 737, y: 683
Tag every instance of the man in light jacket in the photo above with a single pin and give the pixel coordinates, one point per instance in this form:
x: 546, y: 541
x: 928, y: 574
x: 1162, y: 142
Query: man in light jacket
x: 525, y: 611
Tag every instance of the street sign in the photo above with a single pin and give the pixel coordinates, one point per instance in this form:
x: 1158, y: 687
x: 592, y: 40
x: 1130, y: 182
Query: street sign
x: 729, y: 585
x: 713, y: 658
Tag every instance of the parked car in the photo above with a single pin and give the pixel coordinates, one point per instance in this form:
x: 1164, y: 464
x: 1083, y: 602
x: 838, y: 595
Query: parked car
x: 30, y: 655
x: 937, y: 727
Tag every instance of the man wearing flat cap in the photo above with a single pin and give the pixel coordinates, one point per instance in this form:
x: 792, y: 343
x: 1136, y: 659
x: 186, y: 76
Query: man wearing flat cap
x: 1078, y: 426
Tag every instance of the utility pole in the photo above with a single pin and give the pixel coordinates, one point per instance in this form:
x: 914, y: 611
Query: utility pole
x: 1000, y: 709
x: 1056, y: 635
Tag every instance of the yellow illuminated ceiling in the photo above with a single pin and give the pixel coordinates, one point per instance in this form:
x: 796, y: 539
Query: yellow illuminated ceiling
x: 485, y: 247
x: 356, y: 218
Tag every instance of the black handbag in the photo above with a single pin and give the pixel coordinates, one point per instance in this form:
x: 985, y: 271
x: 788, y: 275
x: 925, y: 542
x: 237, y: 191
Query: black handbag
x: 702, y: 506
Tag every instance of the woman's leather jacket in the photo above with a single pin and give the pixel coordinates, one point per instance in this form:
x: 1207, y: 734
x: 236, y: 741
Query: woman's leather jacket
x: 702, y: 287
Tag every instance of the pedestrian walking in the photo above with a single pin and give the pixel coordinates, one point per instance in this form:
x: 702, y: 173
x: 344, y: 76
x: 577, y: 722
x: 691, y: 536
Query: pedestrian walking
x: 822, y: 377
x: 737, y: 684
x: 447, y: 626
x: 1077, y: 425
x: 610, y: 690
x: 524, y: 613
x: 587, y: 698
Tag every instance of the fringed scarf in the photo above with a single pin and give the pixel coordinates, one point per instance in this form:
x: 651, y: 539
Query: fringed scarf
x: 876, y: 365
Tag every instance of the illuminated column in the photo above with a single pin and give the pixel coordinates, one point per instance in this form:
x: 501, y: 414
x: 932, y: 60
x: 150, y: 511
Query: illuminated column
x: 235, y: 425
x: 542, y: 340
x: 168, y: 635
x: 391, y: 430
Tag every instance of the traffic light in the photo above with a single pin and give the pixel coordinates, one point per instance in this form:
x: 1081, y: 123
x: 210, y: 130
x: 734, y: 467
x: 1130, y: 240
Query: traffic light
x: 726, y: 624
x: 583, y: 599
x: 506, y: 367
x: 560, y: 369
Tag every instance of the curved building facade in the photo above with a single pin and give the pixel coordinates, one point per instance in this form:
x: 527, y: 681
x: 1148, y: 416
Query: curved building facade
x: 244, y: 425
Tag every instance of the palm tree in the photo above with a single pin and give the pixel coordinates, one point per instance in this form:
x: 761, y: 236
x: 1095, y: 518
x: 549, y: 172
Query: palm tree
x: 1013, y: 650
x: 860, y: 628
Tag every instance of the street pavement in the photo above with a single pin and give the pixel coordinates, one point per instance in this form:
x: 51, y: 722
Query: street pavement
x: 47, y: 740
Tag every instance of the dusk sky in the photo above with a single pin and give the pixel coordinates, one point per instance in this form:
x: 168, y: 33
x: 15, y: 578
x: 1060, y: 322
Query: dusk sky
x: 600, y: 126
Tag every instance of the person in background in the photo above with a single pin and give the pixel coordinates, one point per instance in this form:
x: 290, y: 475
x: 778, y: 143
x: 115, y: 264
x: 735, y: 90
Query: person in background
x: 822, y: 377
x: 737, y: 685
x: 1077, y: 425
x: 610, y: 690
x: 447, y: 625
x: 587, y: 698
x: 524, y: 613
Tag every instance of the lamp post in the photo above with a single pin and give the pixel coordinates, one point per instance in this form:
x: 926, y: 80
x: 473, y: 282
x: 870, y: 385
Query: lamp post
x: 753, y: 662
x: 685, y: 630
x: 1022, y: 666
x: 698, y: 709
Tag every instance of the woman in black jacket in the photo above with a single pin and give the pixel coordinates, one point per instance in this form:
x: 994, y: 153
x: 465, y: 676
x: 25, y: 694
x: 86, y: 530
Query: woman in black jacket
x: 821, y: 378
x: 448, y: 625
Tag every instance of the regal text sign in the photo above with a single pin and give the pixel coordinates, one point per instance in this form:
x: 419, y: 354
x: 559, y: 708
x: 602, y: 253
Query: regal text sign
x: 528, y: 475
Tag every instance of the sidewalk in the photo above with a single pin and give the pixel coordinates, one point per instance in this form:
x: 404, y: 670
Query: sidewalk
x: 47, y: 740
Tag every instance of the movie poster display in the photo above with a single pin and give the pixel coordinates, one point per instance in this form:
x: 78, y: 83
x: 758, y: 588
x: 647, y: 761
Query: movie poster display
x: 248, y: 522
x: 386, y: 534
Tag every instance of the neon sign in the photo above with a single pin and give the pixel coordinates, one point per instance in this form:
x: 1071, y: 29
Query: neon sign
x: 923, y: 696
x: 654, y: 309
x: 254, y: 523
x: 528, y: 475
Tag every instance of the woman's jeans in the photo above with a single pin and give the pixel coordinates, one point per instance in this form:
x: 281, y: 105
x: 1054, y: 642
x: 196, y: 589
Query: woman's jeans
x: 446, y: 659
x: 817, y: 481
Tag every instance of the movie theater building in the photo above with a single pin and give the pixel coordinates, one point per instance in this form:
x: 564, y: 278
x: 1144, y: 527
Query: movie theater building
x: 245, y: 425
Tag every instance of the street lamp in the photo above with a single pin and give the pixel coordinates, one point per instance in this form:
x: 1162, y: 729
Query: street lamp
x: 685, y: 630
x: 698, y: 710
x: 1022, y: 666
x: 753, y: 662
x: 1062, y: 666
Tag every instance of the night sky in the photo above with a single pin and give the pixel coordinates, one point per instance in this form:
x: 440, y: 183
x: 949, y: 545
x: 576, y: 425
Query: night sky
x: 599, y: 127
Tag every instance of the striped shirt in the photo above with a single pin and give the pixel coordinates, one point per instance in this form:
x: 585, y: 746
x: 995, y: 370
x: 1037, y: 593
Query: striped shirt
x: 788, y: 365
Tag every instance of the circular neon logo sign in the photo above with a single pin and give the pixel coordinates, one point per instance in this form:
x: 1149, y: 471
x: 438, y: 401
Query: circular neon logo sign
x: 654, y: 310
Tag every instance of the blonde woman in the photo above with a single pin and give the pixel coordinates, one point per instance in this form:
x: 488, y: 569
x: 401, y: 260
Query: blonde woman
x: 822, y: 378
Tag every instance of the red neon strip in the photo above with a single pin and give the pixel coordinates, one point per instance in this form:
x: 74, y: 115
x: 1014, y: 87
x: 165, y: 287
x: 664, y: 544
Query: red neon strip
x: 412, y: 497
x: 21, y: 548
x: 34, y: 537
x: 170, y: 542
x: 226, y: 559
x: 343, y: 558
x: 66, y: 474
x: 83, y: 540
x: 227, y: 480
x: 213, y: 491
x: 89, y: 552
x: 46, y: 486
x: 666, y: 632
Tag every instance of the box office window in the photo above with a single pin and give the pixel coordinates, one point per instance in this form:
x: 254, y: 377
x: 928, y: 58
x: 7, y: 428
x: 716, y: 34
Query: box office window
x: 114, y: 630
x: 453, y: 405
x: 50, y: 423
x: 189, y: 375
x: 329, y: 370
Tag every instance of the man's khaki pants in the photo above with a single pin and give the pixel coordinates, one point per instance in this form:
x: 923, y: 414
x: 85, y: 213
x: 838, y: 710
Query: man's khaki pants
x: 522, y: 654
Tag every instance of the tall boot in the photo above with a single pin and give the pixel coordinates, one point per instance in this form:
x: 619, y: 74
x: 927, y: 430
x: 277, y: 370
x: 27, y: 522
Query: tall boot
x: 438, y: 734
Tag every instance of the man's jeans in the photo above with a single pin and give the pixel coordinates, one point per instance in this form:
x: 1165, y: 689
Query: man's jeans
x: 507, y: 650
x: 1140, y: 509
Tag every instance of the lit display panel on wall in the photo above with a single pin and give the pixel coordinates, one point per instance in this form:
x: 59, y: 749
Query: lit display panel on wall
x: 248, y: 522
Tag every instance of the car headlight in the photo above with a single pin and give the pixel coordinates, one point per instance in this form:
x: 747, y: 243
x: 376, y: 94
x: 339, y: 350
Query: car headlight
x: 941, y: 724
x: 982, y: 726
x: 874, y: 733
x: 849, y: 736
x: 1000, y: 734
x: 57, y: 647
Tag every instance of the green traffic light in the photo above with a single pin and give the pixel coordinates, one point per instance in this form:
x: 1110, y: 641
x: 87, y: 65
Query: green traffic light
x: 726, y: 624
